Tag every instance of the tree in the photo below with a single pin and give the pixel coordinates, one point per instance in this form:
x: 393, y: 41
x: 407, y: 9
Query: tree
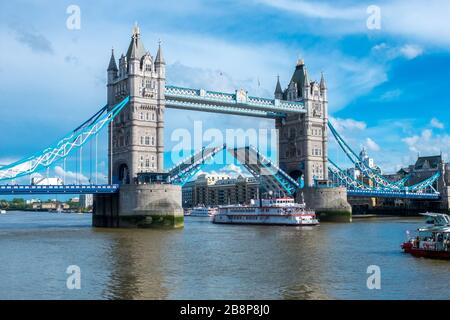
x: 18, y: 203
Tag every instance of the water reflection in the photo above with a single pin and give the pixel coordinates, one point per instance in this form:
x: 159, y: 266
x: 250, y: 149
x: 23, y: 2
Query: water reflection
x: 136, y: 258
x: 207, y: 261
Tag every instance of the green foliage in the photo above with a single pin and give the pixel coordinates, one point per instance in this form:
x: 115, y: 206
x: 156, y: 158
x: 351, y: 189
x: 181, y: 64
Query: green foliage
x: 73, y: 205
x: 18, y: 204
x: 4, y: 204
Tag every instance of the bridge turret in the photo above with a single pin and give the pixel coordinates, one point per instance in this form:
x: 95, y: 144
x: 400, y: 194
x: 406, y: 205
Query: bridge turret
x: 159, y: 55
x: 160, y: 70
x: 123, y: 66
x: 112, y: 68
x: 112, y: 76
x: 323, y: 87
x: 306, y: 85
x: 324, y: 102
x: 278, y: 90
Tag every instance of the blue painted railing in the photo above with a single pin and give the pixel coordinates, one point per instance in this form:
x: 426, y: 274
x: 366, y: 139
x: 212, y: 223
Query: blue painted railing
x: 59, y: 189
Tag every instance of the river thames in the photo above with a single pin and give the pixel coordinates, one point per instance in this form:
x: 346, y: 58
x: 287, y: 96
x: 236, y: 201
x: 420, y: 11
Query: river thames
x: 207, y: 261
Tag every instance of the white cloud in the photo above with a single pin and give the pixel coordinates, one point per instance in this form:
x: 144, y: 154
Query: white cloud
x: 347, y: 124
x: 393, y: 143
x: 407, y: 51
x: 428, y: 144
x: 385, y: 136
x: 225, y: 65
x: 7, y: 160
x: 347, y: 77
x: 423, y: 21
x: 234, y: 170
x: 390, y: 95
x: 435, y: 123
x: 411, y: 51
x: 70, y: 176
x: 211, y: 79
x: 318, y: 9
x: 372, y: 145
x: 200, y: 172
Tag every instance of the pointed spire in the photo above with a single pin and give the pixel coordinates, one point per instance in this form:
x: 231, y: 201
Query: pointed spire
x: 136, y: 49
x: 278, y: 89
x: 136, y: 30
x: 112, y: 62
x: 298, y: 77
x: 306, y: 81
x: 323, y: 84
x: 159, y: 56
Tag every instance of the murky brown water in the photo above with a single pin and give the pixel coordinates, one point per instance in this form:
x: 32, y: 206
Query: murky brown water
x: 207, y: 261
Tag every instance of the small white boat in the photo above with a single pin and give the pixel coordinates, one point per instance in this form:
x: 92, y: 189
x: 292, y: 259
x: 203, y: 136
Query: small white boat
x: 2, y: 211
x: 203, y: 212
x: 437, y: 219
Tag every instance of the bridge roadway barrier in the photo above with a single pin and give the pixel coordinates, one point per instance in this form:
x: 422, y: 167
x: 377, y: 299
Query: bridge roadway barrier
x: 58, y: 189
x: 139, y: 206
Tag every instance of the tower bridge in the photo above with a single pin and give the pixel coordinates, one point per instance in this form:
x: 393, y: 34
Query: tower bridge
x: 137, y: 96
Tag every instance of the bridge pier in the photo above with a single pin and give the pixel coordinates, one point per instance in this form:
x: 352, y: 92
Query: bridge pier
x: 105, y: 210
x: 329, y: 203
x: 445, y: 199
x: 140, y: 206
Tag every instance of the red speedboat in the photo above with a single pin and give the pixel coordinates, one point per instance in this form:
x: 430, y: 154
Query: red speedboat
x: 431, y: 241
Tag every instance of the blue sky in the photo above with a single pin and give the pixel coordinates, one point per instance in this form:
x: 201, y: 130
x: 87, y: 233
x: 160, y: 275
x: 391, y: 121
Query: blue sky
x: 387, y: 88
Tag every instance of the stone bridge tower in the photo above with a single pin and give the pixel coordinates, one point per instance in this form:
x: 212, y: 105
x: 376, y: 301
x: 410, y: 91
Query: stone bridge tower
x: 136, y: 142
x: 302, y: 144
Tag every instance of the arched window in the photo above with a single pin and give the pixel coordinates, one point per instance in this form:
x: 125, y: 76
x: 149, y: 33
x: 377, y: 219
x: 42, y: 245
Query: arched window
x: 147, y: 140
x: 153, y: 141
